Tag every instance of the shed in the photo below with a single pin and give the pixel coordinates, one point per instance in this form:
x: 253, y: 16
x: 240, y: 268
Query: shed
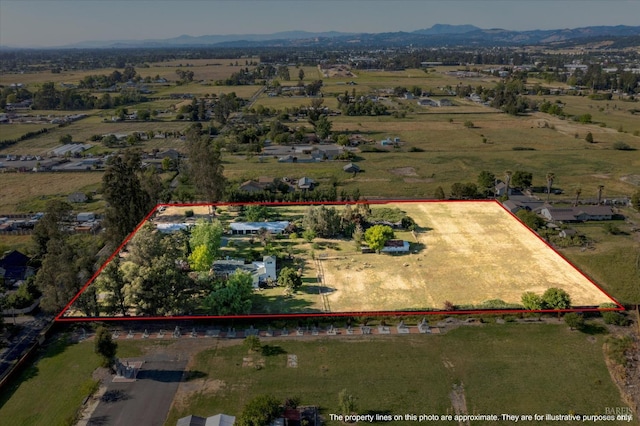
x: 396, y: 246
x: 351, y: 168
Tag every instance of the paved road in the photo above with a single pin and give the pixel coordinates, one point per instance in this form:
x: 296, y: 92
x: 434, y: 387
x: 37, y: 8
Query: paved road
x: 145, y: 401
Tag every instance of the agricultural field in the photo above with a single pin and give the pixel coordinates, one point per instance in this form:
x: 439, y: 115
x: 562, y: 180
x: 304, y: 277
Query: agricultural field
x: 82, y: 130
x: 29, y: 192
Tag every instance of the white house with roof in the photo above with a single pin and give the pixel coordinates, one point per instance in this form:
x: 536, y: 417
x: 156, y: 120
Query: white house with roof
x: 261, y: 271
x: 246, y: 228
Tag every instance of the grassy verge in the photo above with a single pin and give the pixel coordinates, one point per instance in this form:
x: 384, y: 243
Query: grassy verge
x: 51, y: 390
x: 504, y: 369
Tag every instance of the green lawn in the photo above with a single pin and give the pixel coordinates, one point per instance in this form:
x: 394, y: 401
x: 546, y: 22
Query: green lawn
x: 521, y: 369
x: 50, y: 391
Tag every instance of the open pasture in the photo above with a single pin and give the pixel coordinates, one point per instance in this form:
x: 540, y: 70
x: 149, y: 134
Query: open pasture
x: 412, y: 374
x: 14, y: 131
x: 82, y: 130
x: 464, y: 255
x: 29, y: 192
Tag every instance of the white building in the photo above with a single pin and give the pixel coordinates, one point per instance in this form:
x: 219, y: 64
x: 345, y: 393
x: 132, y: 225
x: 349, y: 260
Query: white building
x: 245, y: 228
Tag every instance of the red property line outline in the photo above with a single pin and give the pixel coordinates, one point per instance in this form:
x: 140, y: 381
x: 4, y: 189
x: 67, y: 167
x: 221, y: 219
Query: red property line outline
x: 61, y: 318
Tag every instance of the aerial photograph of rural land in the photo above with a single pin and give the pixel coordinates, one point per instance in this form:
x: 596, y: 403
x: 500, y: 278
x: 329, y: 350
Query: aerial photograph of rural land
x: 319, y: 212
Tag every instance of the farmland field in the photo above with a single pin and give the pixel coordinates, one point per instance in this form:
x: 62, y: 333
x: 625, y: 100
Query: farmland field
x: 28, y: 192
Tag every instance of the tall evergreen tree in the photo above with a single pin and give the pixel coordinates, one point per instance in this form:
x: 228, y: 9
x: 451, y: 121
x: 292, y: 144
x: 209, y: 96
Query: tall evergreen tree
x: 127, y: 202
x: 205, y: 166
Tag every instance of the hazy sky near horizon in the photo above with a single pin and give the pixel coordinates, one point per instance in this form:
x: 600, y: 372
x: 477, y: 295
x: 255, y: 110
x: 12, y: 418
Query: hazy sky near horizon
x: 38, y: 23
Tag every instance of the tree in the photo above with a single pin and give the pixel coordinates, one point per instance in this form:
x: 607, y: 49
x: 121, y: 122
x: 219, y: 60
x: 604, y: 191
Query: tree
x: 468, y: 124
x: 161, y: 287
x: 57, y: 278
x: 127, y: 202
x: 112, y: 282
x: 301, y: 74
x: 252, y: 343
x: 531, y: 219
x: 309, y: 235
x: 205, y: 166
x: 377, y: 236
x: 105, y: 346
x: 577, y: 191
x: 556, y: 298
x: 324, y: 221
x: 283, y: 72
x: 439, y: 193
x: 65, y: 139
x: 486, y: 182
x: 346, y: 402
x: 550, y: 177
x: 589, y: 137
x: 289, y: 278
x: 260, y: 411
x: 507, y: 181
x: 201, y: 258
x: 532, y: 301
x: 574, y: 320
x: 522, y: 179
x: 323, y: 127
x: 257, y: 213
x: 205, y: 240
x: 600, y: 188
x: 48, y: 227
x: 231, y: 297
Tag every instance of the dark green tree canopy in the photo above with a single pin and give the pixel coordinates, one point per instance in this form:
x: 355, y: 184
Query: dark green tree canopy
x: 127, y: 202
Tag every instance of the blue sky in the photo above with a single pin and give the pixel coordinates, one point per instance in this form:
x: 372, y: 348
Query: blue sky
x: 55, y: 22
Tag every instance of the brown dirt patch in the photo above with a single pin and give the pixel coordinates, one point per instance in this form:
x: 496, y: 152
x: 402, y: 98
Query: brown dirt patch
x: 404, y: 171
x: 415, y: 180
x: 459, y: 401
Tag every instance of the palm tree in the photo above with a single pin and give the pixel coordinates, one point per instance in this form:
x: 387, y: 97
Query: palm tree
x: 600, y: 188
x: 578, y: 191
x: 550, y: 178
x: 507, y: 178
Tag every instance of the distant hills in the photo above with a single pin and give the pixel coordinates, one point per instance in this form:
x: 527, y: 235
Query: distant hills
x: 437, y: 35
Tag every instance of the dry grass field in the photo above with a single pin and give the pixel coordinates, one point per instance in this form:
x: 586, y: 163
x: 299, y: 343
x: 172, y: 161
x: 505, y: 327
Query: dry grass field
x: 473, y: 252
x: 24, y: 192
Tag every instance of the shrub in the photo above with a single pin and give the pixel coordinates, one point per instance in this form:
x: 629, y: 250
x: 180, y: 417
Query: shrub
x: 617, y: 349
x: 615, y: 318
x: 574, y: 321
x: 622, y: 146
x: 188, y: 213
x: 589, y: 137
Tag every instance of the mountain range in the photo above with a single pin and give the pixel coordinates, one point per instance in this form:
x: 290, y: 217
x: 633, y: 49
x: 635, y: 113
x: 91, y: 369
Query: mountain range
x: 437, y: 35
